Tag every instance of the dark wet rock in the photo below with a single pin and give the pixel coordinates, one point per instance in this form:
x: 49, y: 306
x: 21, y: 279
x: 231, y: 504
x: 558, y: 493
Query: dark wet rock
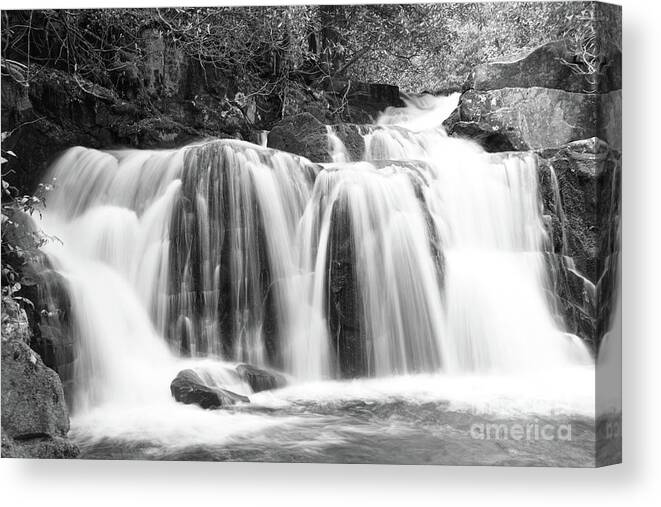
x: 51, y: 318
x: 552, y: 65
x: 260, y: 380
x: 302, y: 134
x: 359, y: 102
x: 352, y: 138
x: 305, y: 135
x: 580, y: 189
x: 344, y: 304
x: 573, y: 298
x: 57, y: 112
x: 491, y: 141
x: 35, y: 420
x: 205, y: 173
x: 188, y: 387
x: 535, y: 118
x: 367, y: 100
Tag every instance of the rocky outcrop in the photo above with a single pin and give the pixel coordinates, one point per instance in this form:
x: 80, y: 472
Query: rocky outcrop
x: 260, y: 380
x: 580, y: 187
x: 35, y: 421
x: 305, y: 135
x: 545, y: 99
x: 58, y: 110
x: 189, y: 388
x: 551, y: 65
x: 302, y: 134
x: 535, y: 118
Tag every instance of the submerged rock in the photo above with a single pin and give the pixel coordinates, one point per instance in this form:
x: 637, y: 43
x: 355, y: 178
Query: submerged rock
x: 189, y: 388
x: 260, y: 380
x: 35, y: 421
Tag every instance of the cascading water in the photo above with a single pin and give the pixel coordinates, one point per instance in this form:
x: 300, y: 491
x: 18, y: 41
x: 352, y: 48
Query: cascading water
x: 425, y: 257
x: 486, y: 211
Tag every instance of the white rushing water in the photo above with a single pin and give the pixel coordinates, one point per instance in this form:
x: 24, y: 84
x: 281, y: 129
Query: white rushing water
x: 422, y: 261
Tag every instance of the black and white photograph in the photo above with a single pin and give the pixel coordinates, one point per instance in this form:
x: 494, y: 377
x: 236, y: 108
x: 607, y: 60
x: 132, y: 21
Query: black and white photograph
x: 381, y: 234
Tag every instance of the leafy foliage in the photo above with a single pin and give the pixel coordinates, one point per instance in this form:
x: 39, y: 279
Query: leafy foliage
x: 20, y: 240
x: 416, y: 46
x: 435, y: 46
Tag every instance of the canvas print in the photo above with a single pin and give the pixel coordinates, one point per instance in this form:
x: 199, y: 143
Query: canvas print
x: 344, y: 234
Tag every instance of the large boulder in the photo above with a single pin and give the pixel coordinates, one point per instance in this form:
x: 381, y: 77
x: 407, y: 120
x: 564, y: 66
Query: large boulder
x: 535, y: 118
x: 35, y: 421
x: 188, y: 387
x: 546, y: 99
x: 260, y: 380
x: 552, y: 65
x: 32, y: 395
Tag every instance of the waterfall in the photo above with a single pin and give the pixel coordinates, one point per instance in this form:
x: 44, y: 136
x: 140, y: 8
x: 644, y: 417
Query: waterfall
x: 426, y: 256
